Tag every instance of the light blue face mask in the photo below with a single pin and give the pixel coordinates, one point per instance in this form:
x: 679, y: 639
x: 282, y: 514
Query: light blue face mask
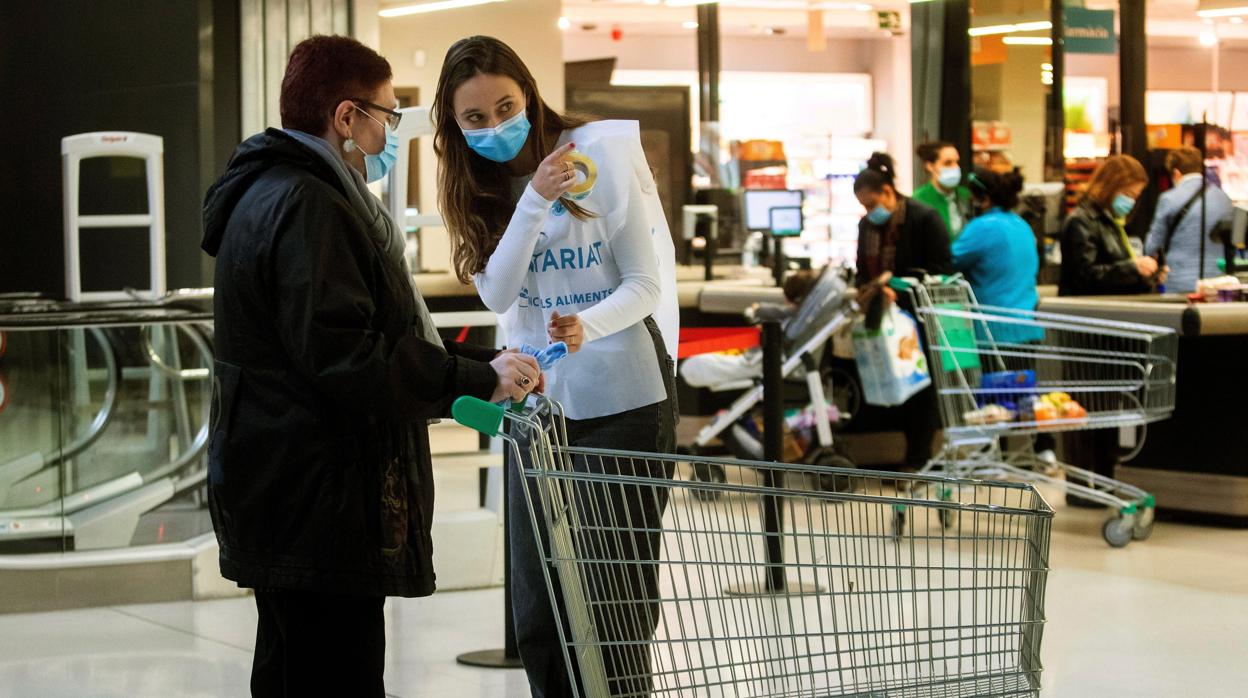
x: 376, y: 167
x: 1123, y: 205
x: 879, y: 215
x: 950, y: 177
x: 501, y: 143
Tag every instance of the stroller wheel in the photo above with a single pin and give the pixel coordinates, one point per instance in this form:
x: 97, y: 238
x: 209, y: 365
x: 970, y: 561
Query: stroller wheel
x: 832, y: 481
x: 708, y: 472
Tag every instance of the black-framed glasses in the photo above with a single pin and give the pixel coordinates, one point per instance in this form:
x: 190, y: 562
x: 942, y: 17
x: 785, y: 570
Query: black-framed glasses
x: 392, y: 117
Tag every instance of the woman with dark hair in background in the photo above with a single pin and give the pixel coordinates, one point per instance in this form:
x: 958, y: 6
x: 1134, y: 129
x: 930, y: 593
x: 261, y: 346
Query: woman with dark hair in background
x: 320, y: 480
x: 997, y: 255
x: 596, y: 272
x: 997, y: 251
x: 902, y: 237
x: 944, y: 191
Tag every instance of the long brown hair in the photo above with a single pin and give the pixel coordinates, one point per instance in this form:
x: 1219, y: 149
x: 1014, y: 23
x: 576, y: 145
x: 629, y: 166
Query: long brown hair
x: 473, y: 192
x: 1115, y: 174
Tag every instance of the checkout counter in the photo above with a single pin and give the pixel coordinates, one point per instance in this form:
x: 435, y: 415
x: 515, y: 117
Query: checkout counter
x: 1194, y: 462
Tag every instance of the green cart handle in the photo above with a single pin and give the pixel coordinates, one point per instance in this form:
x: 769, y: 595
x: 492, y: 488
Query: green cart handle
x: 485, y: 417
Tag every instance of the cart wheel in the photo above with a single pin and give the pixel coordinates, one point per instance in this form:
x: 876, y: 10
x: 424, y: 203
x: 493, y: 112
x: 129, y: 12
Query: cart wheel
x: 1142, y: 531
x: 708, y: 472
x: 830, y: 482
x: 1117, y: 532
x: 899, y: 522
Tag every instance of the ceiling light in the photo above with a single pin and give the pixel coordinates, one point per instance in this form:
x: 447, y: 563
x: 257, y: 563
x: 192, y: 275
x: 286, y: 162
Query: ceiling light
x: 418, y: 8
x: 1046, y: 66
x: 1208, y: 39
x: 1224, y: 12
x: 689, y: 3
x: 1027, y: 41
x: 564, y: 23
x: 863, y: 7
x: 1010, y: 28
x: 690, y: 25
x: 1237, y: 20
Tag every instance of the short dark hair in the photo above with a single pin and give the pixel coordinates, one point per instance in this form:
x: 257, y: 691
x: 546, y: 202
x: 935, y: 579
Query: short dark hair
x: 880, y: 172
x: 930, y: 152
x: 1000, y: 189
x: 323, y: 71
x: 1186, y: 160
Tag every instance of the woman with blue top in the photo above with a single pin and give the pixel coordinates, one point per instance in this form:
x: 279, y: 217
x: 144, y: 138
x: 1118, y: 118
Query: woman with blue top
x: 997, y: 252
x: 586, y: 259
x: 997, y: 255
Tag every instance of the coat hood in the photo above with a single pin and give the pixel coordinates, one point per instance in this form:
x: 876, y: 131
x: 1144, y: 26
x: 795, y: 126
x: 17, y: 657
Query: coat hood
x: 251, y: 159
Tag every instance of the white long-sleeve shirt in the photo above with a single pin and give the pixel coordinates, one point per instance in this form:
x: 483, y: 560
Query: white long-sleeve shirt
x: 613, y: 270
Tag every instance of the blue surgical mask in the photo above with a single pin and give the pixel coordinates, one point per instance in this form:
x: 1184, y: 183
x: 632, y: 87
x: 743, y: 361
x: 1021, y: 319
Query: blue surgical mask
x: 376, y: 167
x: 879, y: 215
x: 950, y: 177
x: 501, y: 143
x: 1123, y: 205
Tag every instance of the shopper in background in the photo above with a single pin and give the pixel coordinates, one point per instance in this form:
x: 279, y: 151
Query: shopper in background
x: 1175, y: 235
x: 320, y: 481
x: 997, y: 255
x: 1097, y: 259
x: 902, y: 237
x: 589, y: 272
x: 997, y: 251
x: 944, y: 191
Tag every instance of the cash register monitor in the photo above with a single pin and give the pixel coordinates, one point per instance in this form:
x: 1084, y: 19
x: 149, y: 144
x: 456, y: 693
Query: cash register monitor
x: 759, y: 202
x: 786, y: 221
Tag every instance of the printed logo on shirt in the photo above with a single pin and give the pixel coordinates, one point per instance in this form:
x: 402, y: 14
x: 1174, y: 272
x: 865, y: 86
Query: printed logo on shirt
x: 558, y: 209
x: 527, y: 301
x: 565, y: 258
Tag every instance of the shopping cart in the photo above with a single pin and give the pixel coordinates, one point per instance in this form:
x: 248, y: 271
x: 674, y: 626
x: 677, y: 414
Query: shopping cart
x: 713, y: 597
x: 1001, y: 373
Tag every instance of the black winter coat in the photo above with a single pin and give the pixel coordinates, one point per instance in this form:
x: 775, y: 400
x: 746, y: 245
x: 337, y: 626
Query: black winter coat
x: 1095, y: 261
x: 319, y: 469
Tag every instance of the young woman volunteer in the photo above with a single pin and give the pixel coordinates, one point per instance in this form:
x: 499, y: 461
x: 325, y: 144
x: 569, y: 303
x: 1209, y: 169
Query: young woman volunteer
x: 596, y: 271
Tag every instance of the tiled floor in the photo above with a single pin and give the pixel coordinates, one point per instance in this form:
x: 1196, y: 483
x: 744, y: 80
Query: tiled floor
x: 1167, y: 617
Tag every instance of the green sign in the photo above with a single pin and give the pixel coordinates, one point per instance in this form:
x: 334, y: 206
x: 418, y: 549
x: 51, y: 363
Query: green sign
x: 1089, y: 31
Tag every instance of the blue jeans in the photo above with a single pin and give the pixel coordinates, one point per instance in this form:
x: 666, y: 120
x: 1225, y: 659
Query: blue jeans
x: 623, y: 595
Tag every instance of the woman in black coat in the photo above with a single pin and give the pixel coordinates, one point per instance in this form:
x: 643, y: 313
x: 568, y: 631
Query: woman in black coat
x: 1098, y: 261
x: 328, y: 367
x: 903, y: 237
x: 1096, y: 257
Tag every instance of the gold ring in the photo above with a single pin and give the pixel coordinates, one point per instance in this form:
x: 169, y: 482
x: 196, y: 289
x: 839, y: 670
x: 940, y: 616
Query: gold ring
x: 524, y: 381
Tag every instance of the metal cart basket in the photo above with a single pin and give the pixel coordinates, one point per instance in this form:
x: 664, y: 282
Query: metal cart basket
x: 663, y: 592
x: 1001, y: 373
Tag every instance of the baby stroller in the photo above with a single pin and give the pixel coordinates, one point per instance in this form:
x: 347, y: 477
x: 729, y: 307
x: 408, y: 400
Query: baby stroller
x: 826, y: 309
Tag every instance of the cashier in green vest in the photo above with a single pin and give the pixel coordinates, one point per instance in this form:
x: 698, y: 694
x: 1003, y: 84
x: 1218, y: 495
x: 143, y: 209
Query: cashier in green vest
x: 944, y: 190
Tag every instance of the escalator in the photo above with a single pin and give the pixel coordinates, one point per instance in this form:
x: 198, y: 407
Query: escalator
x: 103, y: 437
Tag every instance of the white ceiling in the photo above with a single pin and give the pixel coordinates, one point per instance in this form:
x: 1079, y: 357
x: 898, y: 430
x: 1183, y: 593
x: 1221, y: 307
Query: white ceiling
x: 1170, y: 22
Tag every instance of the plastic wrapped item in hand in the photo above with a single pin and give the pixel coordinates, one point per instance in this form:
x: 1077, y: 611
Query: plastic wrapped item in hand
x: 548, y: 357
